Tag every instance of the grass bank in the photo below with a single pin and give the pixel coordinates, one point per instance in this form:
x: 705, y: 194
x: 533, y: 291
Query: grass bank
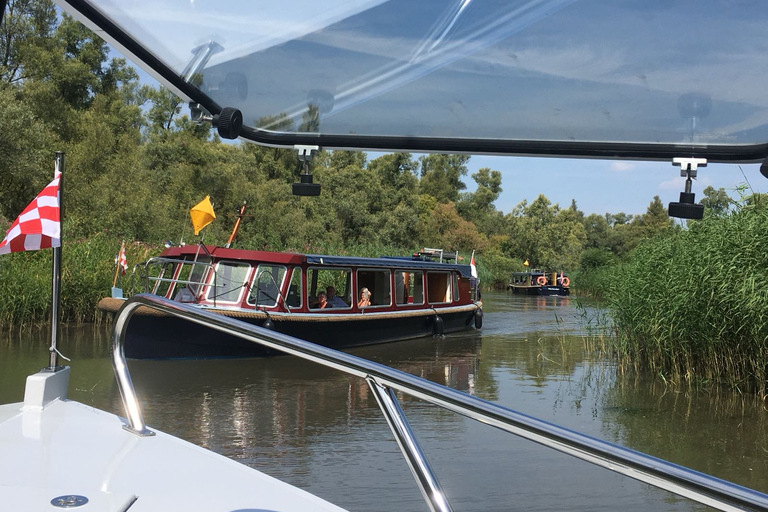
x: 87, y: 271
x: 692, y: 306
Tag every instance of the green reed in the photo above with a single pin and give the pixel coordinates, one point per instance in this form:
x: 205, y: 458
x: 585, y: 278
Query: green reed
x: 694, y: 306
x: 87, y: 271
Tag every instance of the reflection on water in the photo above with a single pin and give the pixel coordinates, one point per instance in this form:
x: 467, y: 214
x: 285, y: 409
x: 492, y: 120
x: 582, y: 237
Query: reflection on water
x: 322, y: 430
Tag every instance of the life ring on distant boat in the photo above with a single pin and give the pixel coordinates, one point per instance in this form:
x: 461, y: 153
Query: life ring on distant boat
x: 566, y: 281
x: 541, y: 280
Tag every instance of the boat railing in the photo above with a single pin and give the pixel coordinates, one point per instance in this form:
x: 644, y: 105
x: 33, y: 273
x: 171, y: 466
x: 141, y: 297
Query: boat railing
x: 385, y: 382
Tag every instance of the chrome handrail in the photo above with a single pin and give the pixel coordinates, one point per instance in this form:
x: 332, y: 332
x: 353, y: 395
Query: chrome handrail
x: 384, y: 380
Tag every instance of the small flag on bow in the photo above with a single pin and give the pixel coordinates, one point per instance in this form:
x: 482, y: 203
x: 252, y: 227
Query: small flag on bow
x: 38, y: 226
x: 122, y: 261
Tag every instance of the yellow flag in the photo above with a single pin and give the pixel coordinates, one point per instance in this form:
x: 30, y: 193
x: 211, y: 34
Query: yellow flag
x: 524, y: 263
x: 202, y: 214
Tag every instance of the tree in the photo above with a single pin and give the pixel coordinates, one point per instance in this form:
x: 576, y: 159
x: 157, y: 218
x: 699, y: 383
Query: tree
x: 441, y: 176
x: 716, y: 203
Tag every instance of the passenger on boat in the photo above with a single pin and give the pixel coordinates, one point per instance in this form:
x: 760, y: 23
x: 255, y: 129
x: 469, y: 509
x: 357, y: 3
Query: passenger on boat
x: 322, y: 302
x: 334, y: 301
x: 365, y: 298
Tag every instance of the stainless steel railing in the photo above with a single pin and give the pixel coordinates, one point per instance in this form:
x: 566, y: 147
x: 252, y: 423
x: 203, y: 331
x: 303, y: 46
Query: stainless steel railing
x: 385, y: 381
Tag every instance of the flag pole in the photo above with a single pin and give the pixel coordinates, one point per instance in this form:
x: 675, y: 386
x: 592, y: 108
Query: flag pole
x: 117, y: 263
x: 56, y: 292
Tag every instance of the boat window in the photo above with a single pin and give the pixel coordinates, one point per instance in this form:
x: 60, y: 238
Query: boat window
x: 409, y: 287
x: 322, y: 279
x: 267, y: 284
x: 228, y: 282
x: 378, y: 283
x: 189, y: 279
x: 293, y: 299
x: 162, y: 275
x: 438, y: 287
x: 455, y: 287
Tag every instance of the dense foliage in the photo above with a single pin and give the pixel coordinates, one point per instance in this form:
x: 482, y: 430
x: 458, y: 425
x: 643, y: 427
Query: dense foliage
x: 692, y: 306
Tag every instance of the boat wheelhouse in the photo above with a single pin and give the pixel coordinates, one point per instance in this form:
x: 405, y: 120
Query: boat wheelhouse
x: 334, y: 301
x: 539, y: 282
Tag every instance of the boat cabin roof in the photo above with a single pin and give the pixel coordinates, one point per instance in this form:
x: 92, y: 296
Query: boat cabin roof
x: 286, y: 258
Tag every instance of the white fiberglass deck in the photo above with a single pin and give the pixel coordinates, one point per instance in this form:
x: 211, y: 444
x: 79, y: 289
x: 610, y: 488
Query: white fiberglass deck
x: 67, y: 448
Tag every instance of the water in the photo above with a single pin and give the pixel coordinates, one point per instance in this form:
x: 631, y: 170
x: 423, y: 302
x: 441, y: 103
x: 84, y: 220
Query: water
x: 322, y: 431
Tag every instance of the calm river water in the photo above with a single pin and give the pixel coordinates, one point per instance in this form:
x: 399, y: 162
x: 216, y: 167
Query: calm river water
x: 322, y: 431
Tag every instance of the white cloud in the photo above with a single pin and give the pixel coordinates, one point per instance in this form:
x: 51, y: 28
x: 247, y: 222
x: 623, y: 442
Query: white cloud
x: 675, y: 183
x: 622, y: 166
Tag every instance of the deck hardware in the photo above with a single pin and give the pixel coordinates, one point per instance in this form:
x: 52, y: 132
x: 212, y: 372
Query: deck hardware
x: 306, y: 187
x: 69, y: 501
x: 228, y: 122
x: 687, y: 208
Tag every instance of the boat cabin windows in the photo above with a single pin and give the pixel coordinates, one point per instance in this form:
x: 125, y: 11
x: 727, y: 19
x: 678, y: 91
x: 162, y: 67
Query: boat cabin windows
x: 163, y: 277
x: 438, y: 287
x: 321, y: 281
x: 267, y: 283
x: 455, y: 287
x: 409, y: 287
x: 184, y: 283
x: 378, y: 283
x: 229, y: 281
x: 294, y: 296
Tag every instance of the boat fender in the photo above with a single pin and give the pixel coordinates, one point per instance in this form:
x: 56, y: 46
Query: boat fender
x: 268, y: 324
x: 566, y: 281
x: 478, y: 318
x: 437, y: 326
x: 541, y: 280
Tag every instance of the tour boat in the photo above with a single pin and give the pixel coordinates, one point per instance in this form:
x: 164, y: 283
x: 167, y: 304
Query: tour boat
x: 667, y: 81
x: 539, y: 282
x: 334, y: 301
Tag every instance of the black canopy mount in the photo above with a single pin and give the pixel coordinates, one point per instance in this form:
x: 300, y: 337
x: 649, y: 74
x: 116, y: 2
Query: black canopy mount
x: 687, y: 208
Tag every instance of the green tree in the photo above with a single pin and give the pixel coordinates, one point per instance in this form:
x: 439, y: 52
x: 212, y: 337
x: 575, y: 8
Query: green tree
x: 717, y: 203
x: 441, y: 176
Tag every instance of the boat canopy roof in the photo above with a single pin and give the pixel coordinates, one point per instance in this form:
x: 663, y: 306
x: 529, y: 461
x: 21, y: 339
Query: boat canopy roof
x: 404, y: 263
x: 200, y: 252
x: 649, y: 79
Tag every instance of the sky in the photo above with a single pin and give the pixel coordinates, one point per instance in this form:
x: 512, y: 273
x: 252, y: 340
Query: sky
x: 606, y: 186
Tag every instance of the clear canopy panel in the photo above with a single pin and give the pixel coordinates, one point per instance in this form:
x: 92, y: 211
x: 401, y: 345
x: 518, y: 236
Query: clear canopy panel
x: 574, y: 77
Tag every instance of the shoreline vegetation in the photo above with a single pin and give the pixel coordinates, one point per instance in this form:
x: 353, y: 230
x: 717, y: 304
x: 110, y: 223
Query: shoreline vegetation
x: 690, y: 307
x: 135, y: 164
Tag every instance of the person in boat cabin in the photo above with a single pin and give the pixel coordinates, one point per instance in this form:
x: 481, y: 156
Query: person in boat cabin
x: 365, y: 298
x: 322, y: 301
x: 334, y: 301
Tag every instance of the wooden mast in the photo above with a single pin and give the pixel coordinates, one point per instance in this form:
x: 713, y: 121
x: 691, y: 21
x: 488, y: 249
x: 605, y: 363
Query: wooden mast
x: 237, y: 225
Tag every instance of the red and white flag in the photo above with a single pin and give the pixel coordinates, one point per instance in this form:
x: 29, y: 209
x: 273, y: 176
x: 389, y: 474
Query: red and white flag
x: 122, y: 261
x: 473, y: 268
x: 38, y: 226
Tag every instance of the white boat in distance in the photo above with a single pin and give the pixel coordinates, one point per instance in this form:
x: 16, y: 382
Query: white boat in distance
x: 546, y: 78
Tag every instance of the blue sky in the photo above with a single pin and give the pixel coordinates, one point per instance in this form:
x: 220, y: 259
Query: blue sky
x: 606, y: 186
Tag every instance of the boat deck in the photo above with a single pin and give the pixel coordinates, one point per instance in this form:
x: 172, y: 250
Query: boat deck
x: 70, y: 449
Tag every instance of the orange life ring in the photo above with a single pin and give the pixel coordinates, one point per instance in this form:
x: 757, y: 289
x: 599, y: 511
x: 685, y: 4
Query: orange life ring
x: 566, y: 281
x: 541, y: 280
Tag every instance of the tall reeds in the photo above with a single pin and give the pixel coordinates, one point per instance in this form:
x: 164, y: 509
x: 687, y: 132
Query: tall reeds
x: 86, y: 276
x: 694, y: 306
